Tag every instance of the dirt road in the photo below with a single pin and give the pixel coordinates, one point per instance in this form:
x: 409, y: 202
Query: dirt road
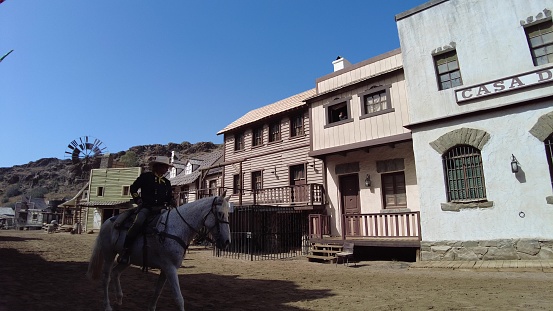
x: 40, y: 271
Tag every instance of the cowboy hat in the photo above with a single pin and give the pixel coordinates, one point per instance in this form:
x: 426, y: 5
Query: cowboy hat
x: 161, y: 160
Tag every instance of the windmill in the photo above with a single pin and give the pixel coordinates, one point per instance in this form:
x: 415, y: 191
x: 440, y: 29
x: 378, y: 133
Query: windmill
x: 83, y: 152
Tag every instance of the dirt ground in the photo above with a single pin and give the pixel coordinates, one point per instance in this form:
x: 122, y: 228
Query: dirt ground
x: 40, y: 271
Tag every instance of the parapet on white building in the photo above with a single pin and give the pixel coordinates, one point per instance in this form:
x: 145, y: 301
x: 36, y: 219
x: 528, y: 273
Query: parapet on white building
x: 479, y: 79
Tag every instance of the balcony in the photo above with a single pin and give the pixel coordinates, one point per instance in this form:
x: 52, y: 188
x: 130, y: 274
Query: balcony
x: 301, y: 197
x: 401, y: 229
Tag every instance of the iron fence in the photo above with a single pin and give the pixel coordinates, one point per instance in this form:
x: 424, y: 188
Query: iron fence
x: 266, y: 233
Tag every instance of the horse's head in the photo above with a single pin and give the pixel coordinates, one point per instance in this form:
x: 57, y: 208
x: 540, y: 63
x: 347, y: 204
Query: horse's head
x: 219, y: 222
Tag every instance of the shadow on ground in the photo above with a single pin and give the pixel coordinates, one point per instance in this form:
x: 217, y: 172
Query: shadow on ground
x: 31, y: 283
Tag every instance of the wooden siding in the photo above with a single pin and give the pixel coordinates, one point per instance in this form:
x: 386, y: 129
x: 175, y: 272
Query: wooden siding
x: 378, y: 126
x: 272, y: 159
x: 360, y: 72
x: 113, y: 180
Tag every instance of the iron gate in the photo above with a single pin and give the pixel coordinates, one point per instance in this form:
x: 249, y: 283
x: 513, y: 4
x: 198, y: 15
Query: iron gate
x: 267, y: 232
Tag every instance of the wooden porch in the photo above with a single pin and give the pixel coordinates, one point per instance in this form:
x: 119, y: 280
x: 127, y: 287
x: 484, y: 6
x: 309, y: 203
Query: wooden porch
x: 400, y: 229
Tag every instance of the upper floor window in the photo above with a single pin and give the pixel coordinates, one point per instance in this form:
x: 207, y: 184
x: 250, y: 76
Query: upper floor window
x: 125, y: 191
x: 257, y: 139
x: 296, y: 126
x: 540, y: 40
x: 257, y: 180
x: 447, y: 69
x: 239, y: 141
x: 549, y: 153
x: 236, y: 184
x: 100, y: 191
x: 375, y: 101
x: 274, y: 132
x: 464, y: 174
x: 338, y: 111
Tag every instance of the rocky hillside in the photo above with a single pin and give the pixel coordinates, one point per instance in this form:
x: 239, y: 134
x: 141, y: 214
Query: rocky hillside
x: 56, y: 179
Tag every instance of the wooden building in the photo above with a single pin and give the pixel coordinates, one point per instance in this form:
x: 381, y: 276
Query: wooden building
x: 108, y: 194
x: 266, y: 159
x: 357, y: 117
x: 197, y: 177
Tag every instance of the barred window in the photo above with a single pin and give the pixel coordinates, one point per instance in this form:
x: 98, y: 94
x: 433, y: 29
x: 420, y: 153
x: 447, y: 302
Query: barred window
x: 548, y: 142
x: 464, y: 174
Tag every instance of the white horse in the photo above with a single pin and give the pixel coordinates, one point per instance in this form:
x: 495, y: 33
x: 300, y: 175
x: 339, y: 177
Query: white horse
x: 175, y: 229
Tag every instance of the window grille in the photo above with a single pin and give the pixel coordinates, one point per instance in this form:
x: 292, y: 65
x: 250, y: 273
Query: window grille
x: 464, y: 174
x: 548, y: 142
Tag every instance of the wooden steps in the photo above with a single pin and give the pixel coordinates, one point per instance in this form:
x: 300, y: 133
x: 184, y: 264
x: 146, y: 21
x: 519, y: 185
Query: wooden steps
x: 320, y: 252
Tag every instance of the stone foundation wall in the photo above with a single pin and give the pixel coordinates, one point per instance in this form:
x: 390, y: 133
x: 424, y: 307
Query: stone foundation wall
x: 508, y: 249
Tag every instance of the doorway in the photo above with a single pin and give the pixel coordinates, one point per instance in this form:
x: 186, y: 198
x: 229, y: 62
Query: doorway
x: 350, y: 203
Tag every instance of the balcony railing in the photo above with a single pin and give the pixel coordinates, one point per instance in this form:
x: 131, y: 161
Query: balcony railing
x: 309, y: 194
x: 375, y: 225
x: 297, y: 195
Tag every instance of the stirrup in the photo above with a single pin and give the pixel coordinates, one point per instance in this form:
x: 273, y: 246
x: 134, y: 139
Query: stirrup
x: 124, y: 259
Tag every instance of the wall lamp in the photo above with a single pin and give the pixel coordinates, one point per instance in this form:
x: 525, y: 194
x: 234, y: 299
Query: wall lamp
x: 515, y: 166
x: 368, y: 181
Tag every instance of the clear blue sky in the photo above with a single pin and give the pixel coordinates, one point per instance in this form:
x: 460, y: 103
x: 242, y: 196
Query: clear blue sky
x: 153, y: 72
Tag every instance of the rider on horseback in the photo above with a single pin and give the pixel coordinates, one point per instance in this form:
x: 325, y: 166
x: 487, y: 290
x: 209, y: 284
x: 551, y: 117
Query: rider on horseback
x: 155, y: 195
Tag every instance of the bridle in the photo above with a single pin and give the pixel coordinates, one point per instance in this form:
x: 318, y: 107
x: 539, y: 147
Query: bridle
x: 217, y: 225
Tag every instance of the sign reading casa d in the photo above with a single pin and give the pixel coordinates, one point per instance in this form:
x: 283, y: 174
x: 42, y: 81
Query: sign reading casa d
x: 504, y: 85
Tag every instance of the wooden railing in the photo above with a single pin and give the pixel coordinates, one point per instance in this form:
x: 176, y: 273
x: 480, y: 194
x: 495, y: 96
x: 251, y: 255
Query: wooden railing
x: 319, y: 226
x: 382, y: 225
x: 310, y: 194
x: 376, y: 225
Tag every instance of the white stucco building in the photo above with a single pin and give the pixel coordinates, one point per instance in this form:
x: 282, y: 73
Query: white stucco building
x: 479, y: 79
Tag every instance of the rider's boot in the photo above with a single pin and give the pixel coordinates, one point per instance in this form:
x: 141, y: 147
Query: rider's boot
x: 125, y: 257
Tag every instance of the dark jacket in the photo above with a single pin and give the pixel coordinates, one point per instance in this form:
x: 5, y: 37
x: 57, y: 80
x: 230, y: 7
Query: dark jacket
x: 154, y: 191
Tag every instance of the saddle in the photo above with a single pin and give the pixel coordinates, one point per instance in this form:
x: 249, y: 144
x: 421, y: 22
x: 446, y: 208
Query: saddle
x: 124, y: 221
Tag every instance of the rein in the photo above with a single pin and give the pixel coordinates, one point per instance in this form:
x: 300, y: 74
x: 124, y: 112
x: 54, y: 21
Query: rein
x: 164, y: 234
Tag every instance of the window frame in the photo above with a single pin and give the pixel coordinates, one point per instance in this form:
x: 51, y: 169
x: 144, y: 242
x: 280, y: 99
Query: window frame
x: 297, y: 128
x: 257, y: 180
x: 257, y: 136
x: 236, y: 184
x: 125, y: 191
x: 100, y: 191
x: 239, y: 141
x: 537, y: 27
x: 437, y: 58
x: 333, y: 108
x: 375, y: 90
x: 395, y: 191
x: 471, y: 172
x: 275, y: 136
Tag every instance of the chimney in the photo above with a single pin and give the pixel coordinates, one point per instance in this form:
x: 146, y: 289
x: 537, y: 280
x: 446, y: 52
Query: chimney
x: 340, y: 63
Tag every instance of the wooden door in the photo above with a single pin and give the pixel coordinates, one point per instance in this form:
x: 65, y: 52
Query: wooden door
x: 298, y: 184
x: 351, y: 203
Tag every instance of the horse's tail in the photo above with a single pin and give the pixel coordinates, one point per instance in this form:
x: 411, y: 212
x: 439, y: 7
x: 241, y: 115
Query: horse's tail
x: 96, y: 262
